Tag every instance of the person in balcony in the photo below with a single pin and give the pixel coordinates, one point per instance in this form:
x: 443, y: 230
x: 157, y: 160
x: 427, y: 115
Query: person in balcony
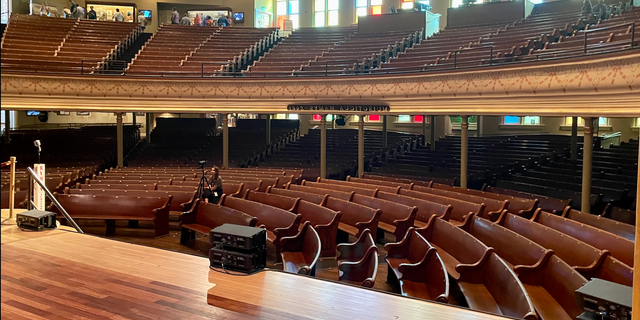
x: 600, y: 10
x: 92, y: 15
x: 175, y: 16
x: 223, y: 21
x: 119, y: 17
x: 197, y: 20
x: 185, y: 21
x: 586, y: 7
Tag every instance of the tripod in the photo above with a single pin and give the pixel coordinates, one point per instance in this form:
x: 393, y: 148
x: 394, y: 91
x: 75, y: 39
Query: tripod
x: 203, y: 185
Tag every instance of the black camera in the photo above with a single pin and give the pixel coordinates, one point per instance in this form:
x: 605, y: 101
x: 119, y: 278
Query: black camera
x: 202, y: 162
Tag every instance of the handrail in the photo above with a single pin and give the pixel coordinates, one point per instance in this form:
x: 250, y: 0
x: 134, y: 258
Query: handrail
x: 53, y: 199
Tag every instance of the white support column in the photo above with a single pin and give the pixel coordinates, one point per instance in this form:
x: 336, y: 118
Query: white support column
x: 432, y: 126
x: 7, y: 127
x: 464, y: 148
x: 424, y: 130
x: 268, y: 129
x: 323, y: 147
x: 587, y: 155
x: 361, y: 146
x: 574, y: 138
x: 147, y: 126
x: 635, y: 308
x: 225, y: 141
x: 120, y: 139
x: 384, y: 132
x: 479, y: 125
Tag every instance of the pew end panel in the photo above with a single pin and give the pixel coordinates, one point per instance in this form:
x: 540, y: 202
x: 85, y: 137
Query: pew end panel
x: 301, y: 252
x: 362, y: 272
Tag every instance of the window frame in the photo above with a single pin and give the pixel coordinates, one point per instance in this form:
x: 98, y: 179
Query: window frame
x: 328, y: 13
x: 522, y: 121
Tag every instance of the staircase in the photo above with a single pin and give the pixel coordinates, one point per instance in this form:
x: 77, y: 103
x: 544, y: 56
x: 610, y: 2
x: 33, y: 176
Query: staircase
x: 122, y: 60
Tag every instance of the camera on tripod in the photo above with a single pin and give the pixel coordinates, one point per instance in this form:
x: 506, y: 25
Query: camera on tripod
x: 202, y: 163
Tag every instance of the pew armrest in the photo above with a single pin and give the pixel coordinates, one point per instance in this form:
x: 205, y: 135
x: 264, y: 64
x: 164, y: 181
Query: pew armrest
x: 187, y: 205
x: 189, y: 217
x: 289, y: 231
x: 464, y: 268
x: 359, y: 271
x: 345, y: 250
x: 528, y: 269
x: 398, y: 249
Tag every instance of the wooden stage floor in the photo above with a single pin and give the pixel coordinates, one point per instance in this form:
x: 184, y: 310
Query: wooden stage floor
x: 60, y: 274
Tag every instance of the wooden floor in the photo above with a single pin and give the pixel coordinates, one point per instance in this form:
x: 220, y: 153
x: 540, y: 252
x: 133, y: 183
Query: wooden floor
x: 61, y: 274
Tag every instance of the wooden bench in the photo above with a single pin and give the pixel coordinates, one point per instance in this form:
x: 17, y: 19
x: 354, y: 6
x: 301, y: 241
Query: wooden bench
x: 325, y: 221
x: 358, y: 261
x: 586, y: 259
x: 548, y: 204
x: 493, y: 207
x: 248, y: 185
x: 374, y: 182
x: 620, y: 248
x: 619, y: 214
x: 111, y: 208
x: 300, y: 253
x: 460, y: 208
x: 306, y: 196
x: 178, y: 188
x: 355, y: 217
x: 520, y: 206
x: 331, y: 193
x: 279, y: 223
x: 392, y: 189
x: 97, y: 182
x: 274, y: 200
x: 202, y: 217
x: 182, y: 200
x: 395, y: 218
x: 552, y: 297
x: 326, y: 186
x: 235, y: 190
x: 426, y: 209
x: 624, y: 230
x: 136, y: 186
x: 416, y: 266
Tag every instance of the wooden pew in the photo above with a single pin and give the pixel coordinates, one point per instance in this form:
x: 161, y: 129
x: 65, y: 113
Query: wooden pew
x: 248, y: 185
x: 325, y: 221
x: 460, y: 208
x: 551, y: 282
x: 618, y: 214
x: 202, y: 217
x: 586, y: 259
x: 135, y: 186
x: 274, y: 200
x: 355, y: 217
x: 111, y: 208
x: 326, y: 186
x: 517, y: 205
x: 306, y: 196
x: 395, y: 218
x: 493, y: 207
x: 624, y: 230
x: 358, y: 261
x: 374, y: 182
x: 392, y: 189
x: 547, y: 204
x: 416, y: 266
x: 182, y: 200
x: 301, y: 252
x: 620, y: 248
x: 426, y: 209
x: 331, y: 193
x: 148, y: 181
x: 235, y: 190
x: 279, y: 223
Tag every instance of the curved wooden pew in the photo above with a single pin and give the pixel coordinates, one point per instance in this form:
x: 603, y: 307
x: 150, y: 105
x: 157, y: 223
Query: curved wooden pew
x: 274, y: 200
x: 202, y: 217
x: 550, y: 283
x: 300, y: 253
x: 493, y: 207
x: 148, y: 181
x: 358, y: 261
x: 177, y: 188
x: 590, y: 261
x: 370, y: 176
x: 325, y: 221
x: 306, y: 196
x: 182, y: 200
x: 111, y: 208
x: 355, y: 217
x: 416, y: 266
x: 152, y: 186
x: 248, y: 185
x: 624, y: 230
x: 331, y: 193
x: 392, y: 189
x: 548, y: 204
x: 486, y: 282
x: 395, y: 218
x: 460, y: 208
x: 235, y: 190
x: 517, y: 205
x: 426, y: 209
x: 392, y: 184
x: 279, y: 223
x: 343, y: 188
x: 620, y: 248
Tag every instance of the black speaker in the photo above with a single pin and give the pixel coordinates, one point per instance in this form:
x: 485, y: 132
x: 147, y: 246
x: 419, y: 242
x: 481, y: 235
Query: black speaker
x: 44, y: 116
x: 341, y: 120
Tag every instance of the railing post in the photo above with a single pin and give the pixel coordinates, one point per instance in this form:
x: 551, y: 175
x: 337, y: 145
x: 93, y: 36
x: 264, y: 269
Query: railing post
x: 455, y: 59
x: 633, y: 33
x: 326, y: 68
x: 491, y: 56
x: 202, y: 71
x: 82, y: 66
x: 585, y: 42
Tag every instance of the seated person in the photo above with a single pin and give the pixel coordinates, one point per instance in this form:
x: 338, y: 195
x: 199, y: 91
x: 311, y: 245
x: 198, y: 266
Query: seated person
x: 215, y: 182
x: 586, y: 7
x: 600, y: 10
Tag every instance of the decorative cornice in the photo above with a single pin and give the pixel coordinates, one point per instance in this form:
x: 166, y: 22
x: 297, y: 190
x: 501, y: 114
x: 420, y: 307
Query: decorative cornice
x: 606, y: 86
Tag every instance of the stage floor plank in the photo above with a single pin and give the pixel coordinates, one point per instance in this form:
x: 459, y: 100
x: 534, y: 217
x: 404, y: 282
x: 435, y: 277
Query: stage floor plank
x: 61, y: 274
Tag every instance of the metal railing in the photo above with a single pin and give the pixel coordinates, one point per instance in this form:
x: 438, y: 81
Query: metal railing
x: 30, y: 205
